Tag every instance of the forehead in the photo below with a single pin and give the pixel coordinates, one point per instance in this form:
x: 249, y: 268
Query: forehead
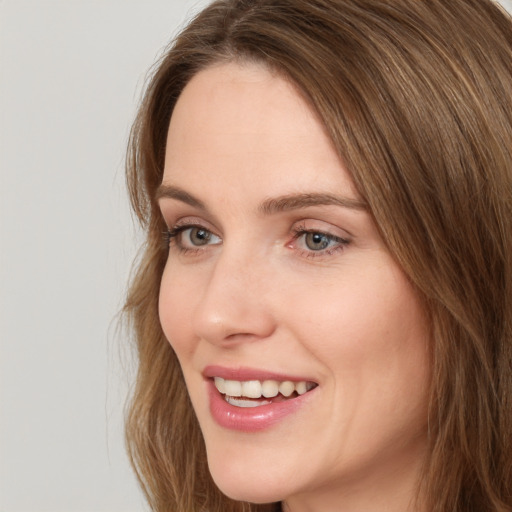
x: 252, y: 89
x: 241, y: 124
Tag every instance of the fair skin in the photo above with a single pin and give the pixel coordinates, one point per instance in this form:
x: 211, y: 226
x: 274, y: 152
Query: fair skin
x: 275, y: 265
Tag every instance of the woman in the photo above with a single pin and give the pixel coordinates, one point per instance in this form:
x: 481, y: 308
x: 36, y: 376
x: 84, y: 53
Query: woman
x: 327, y: 325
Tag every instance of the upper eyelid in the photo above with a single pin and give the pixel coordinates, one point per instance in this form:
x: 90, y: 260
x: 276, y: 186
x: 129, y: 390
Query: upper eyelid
x: 191, y: 221
x: 327, y: 228
x: 307, y: 225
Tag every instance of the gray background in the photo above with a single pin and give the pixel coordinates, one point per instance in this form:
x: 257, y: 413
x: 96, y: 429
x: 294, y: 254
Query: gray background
x: 71, y: 73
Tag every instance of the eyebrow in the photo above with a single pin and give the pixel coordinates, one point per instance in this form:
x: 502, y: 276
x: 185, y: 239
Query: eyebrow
x: 272, y: 205
x: 297, y: 201
x: 172, y: 192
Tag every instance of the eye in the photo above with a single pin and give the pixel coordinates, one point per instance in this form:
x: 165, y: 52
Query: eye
x: 196, y: 236
x: 317, y: 241
x: 190, y: 237
x: 314, y: 243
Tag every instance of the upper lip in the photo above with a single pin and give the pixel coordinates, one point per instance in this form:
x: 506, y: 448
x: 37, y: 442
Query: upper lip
x: 246, y: 373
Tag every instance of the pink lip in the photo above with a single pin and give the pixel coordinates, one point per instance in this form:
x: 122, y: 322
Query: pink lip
x: 245, y: 373
x: 251, y: 419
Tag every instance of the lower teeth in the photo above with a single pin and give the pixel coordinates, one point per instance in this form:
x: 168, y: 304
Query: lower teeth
x: 241, y: 402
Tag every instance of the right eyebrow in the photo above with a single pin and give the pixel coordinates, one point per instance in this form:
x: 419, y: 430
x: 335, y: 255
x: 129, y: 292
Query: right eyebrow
x: 172, y: 192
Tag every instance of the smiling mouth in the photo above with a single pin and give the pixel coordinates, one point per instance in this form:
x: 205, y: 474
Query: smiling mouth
x: 255, y: 393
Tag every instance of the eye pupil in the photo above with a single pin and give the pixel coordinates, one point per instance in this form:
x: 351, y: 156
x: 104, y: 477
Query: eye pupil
x: 200, y: 236
x: 317, y: 241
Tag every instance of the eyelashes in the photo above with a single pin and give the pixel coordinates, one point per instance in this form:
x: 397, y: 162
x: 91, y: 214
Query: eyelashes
x: 195, y: 239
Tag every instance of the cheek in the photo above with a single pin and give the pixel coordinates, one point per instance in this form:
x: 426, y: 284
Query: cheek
x: 370, y: 332
x: 372, y: 340
x: 363, y: 312
x: 175, y: 309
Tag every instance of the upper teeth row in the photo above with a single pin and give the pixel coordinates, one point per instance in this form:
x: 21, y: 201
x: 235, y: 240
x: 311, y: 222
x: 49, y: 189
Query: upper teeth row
x: 257, y: 389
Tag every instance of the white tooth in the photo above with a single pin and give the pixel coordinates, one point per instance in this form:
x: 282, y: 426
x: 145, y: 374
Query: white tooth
x: 286, y: 388
x: 233, y: 387
x: 240, y: 402
x: 270, y: 388
x: 219, y: 384
x: 251, y: 389
x: 300, y: 387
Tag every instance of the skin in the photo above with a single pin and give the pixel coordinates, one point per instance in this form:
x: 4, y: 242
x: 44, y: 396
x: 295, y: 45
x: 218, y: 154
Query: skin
x: 258, y: 295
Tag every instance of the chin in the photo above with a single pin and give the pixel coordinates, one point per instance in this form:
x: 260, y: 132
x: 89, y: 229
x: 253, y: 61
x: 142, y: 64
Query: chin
x: 240, y: 482
x: 241, y: 489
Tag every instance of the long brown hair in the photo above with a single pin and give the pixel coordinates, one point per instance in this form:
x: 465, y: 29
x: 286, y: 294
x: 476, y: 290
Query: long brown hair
x: 417, y: 98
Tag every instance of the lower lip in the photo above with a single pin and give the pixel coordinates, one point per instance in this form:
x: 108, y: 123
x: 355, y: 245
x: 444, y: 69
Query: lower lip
x: 251, y: 419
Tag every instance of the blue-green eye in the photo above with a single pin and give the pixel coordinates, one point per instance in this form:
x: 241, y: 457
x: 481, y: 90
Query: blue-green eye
x: 317, y: 241
x: 197, y: 236
x: 192, y: 237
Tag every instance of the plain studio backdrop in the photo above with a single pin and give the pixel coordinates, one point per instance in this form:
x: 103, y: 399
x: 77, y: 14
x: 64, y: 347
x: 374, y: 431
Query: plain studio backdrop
x: 71, y: 75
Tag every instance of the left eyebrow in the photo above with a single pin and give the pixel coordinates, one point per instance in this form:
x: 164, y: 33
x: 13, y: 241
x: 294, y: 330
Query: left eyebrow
x: 297, y: 201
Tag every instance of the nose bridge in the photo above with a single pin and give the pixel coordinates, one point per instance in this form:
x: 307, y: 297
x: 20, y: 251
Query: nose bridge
x: 234, y: 305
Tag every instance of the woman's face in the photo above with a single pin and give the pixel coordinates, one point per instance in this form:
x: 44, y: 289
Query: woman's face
x: 303, y: 345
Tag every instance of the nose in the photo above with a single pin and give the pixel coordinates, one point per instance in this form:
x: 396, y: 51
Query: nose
x: 234, y: 306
